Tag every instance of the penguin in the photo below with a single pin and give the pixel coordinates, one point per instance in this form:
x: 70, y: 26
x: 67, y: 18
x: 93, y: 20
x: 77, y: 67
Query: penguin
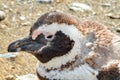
x: 70, y: 49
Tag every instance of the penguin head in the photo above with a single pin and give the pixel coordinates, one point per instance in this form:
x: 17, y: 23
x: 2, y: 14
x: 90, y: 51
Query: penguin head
x: 52, y: 36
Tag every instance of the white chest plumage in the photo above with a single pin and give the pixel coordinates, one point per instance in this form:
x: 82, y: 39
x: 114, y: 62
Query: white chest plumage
x: 83, y: 72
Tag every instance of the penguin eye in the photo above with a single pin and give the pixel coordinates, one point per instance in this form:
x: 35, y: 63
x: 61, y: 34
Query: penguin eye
x: 49, y: 37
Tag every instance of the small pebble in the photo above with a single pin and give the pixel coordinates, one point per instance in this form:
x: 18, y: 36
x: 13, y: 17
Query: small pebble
x: 22, y: 18
x: 106, y: 5
x: 118, y: 29
x: 25, y: 24
x: 113, y: 16
x: 12, y: 3
x: 9, y: 77
x: 12, y: 67
x: 8, y: 55
x: 45, y: 1
x: 2, y: 15
x: 2, y: 26
x: 27, y: 77
x: 63, y: 1
x: 80, y: 7
x: 5, y: 6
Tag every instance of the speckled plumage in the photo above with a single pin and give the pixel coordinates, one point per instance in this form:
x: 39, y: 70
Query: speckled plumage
x: 71, y: 49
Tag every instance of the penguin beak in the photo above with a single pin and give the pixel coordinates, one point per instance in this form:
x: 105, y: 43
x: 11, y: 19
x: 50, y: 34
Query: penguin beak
x: 27, y: 44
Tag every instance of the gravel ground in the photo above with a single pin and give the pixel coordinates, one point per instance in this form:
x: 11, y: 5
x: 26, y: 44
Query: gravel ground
x: 21, y: 14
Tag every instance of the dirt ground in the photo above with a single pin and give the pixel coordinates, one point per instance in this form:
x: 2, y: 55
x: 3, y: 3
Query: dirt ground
x: 21, y: 14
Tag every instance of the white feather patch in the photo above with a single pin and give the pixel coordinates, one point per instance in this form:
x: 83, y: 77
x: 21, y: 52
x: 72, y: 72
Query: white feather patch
x: 83, y: 72
x: 73, y: 33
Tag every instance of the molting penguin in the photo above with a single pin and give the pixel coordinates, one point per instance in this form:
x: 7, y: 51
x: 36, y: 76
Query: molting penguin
x: 70, y: 49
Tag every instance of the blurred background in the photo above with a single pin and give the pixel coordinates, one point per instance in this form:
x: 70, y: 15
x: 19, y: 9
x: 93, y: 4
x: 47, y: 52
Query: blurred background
x: 17, y: 17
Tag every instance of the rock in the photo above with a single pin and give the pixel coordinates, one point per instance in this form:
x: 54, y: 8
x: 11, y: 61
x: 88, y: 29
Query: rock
x: 80, y: 7
x: 63, y: 1
x: 8, y: 55
x: 12, y: 3
x: 5, y: 6
x: 27, y: 77
x: 25, y: 24
x: 113, y: 16
x: 45, y: 1
x: 22, y: 18
x: 2, y: 15
x: 10, y: 77
x: 2, y: 26
x: 12, y: 67
x: 118, y: 29
x: 106, y: 5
